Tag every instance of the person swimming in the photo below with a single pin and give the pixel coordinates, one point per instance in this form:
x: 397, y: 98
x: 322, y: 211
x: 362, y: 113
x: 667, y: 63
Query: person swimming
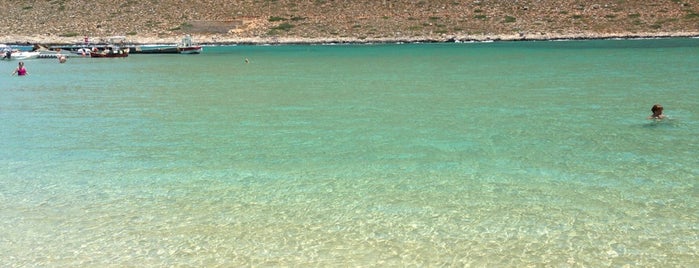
x: 657, y: 110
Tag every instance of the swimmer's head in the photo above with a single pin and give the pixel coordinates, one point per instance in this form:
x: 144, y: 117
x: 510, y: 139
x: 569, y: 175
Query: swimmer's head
x: 657, y: 109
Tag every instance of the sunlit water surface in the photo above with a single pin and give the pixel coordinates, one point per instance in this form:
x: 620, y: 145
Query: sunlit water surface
x: 496, y: 154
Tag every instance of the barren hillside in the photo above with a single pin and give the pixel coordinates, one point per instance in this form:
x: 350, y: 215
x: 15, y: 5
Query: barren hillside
x: 231, y: 21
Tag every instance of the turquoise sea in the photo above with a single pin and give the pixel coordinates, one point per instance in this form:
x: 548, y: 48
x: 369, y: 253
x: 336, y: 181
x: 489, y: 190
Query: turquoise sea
x: 504, y: 154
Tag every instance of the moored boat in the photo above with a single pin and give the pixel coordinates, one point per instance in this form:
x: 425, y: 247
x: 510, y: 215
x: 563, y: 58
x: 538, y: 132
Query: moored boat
x: 187, y: 47
x: 20, y: 55
x: 189, y: 50
x: 10, y: 53
x: 154, y: 49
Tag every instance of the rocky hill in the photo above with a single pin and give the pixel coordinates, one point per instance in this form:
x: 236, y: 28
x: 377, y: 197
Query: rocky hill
x: 147, y: 21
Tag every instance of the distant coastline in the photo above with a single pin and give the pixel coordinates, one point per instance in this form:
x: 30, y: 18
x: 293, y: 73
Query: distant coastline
x: 353, y: 22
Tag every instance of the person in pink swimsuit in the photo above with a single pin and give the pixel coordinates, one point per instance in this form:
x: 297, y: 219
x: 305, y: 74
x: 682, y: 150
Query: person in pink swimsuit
x: 20, y: 71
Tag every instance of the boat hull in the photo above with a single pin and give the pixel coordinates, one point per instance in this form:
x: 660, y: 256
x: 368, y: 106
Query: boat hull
x: 189, y: 50
x: 155, y: 50
x: 109, y: 55
x: 22, y: 55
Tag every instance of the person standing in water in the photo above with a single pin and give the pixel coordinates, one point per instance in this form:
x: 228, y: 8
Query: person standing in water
x: 20, y: 71
x: 657, y: 110
x: 7, y: 54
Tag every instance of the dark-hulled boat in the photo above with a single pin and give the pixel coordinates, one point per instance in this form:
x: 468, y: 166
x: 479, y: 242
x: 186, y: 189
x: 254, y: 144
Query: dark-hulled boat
x: 155, y: 49
x: 184, y: 47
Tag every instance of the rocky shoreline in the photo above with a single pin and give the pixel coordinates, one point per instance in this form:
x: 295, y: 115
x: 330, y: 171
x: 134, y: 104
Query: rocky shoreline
x: 219, y: 40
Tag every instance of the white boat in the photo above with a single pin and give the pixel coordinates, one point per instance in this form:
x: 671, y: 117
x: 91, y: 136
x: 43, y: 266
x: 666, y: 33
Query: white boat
x: 10, y: 54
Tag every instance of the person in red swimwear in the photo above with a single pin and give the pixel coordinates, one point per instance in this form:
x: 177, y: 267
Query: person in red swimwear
x: 20, y: 71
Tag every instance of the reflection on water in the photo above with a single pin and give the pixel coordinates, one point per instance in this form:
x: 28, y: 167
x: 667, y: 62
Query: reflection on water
x: 492, y: 154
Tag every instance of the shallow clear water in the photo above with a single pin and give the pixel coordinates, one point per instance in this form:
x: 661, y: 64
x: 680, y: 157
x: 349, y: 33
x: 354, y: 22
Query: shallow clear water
x: 496, y: 154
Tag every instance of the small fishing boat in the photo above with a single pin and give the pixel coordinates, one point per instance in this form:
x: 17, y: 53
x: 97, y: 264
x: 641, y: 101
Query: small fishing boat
x: 187, y: 47
x: 189, y: 50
